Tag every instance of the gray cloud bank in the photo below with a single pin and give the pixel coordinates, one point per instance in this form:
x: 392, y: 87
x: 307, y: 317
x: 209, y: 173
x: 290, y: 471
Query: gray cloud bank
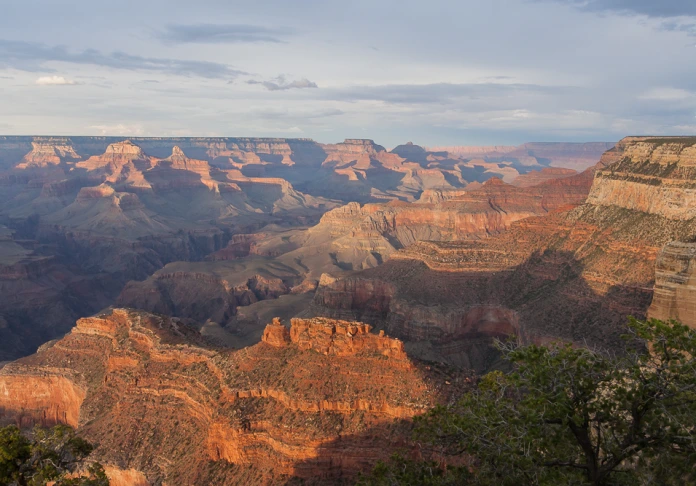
x: 282, y: 84
x: 30, y: 56
x: 220, y: 33
x: 651, y: 8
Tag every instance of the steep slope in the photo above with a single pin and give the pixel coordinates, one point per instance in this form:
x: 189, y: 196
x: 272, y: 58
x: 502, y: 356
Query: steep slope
x: 675, y: 284
x: 321, y: 401
x: 573, y: 275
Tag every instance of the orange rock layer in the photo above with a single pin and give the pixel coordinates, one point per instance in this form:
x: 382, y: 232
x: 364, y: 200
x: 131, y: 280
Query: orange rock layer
x: 156, y: 399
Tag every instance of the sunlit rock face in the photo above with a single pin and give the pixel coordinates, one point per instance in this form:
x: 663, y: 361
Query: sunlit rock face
x: 322, y: 400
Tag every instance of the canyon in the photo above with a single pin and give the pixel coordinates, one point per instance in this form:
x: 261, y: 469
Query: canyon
x: 266, y: 323
x: 85, y: 219
x: 573, y: 275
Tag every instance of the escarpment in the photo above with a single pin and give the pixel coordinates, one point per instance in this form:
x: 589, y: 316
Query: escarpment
x: 146, y: 387
x: 573, y: 275
x: 675, y: 284
x: 655, y: 176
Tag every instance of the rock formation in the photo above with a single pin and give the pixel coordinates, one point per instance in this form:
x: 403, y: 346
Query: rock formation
x: 160, y: 402
x: 46, y: 152
x: 675, y: 284
x: 120, y: 214
x: 349, y: 238
x: 573, y: 275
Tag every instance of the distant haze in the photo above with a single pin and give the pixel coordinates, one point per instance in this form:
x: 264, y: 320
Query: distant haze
x: 440, y: 73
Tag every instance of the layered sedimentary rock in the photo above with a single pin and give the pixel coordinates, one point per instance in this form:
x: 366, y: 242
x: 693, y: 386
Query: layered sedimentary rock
x: 46, y: 152
x: 118, y: 215
x: 349, y: 238
x: 343, y: 338
x: 157, y: 400
x: 573, y: 275
x: 653, y: 176
x: 675, y: 284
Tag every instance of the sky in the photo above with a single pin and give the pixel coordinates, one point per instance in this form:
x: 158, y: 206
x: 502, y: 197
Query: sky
x: 436, y: 72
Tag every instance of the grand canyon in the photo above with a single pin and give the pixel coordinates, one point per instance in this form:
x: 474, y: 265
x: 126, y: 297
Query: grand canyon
x: 276, y: 311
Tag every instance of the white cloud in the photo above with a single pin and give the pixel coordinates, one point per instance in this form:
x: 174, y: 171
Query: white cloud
x: 667, y: 94
x: 55, y: 81
x: 281, y: 83
x: 686, y: 128
x: 120, y: 130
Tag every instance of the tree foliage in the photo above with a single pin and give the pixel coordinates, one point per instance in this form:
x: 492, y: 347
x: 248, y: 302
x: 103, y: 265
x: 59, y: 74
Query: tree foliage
x: 574, y: 416
x: 46, y: 455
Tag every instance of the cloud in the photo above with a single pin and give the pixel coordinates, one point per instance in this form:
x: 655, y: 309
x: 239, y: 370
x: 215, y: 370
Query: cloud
x: 118, y: 130
x: 219, y: 34
x: 679, y: 26
x: 279, y: 113
x: 650, y: 8
x: 31, y: 56
x: 444, y: 92
x: 281, y: 84
x: 55, y: 81
x: 668, y: 94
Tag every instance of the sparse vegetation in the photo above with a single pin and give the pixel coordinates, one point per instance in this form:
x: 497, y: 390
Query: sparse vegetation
x: 569, y: 415
x: 46, y: 455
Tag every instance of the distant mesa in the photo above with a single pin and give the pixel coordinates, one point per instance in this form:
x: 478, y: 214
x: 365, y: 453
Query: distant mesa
x: 411, y: 152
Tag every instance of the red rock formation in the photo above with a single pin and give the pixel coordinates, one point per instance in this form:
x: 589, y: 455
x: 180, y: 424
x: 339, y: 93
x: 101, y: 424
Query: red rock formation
x: 573, y: 275
x: 157, y: 400
x: 47, y: 152
x: 276, y: 334
x: 342, y: 338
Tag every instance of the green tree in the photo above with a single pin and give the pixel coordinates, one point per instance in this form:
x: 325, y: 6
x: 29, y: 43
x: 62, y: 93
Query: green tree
x: 574, y: 416
x: 15, y: 449
x: 46, y: 455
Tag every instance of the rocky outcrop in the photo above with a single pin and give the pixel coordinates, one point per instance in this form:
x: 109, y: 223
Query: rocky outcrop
x: 145, y: 387
x: 675, y: 284
x: 276, y: 334
x: 47, y: 152
x: 342, y: 338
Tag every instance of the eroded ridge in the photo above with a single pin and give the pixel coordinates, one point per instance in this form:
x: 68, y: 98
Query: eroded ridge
x: 158, y: 399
